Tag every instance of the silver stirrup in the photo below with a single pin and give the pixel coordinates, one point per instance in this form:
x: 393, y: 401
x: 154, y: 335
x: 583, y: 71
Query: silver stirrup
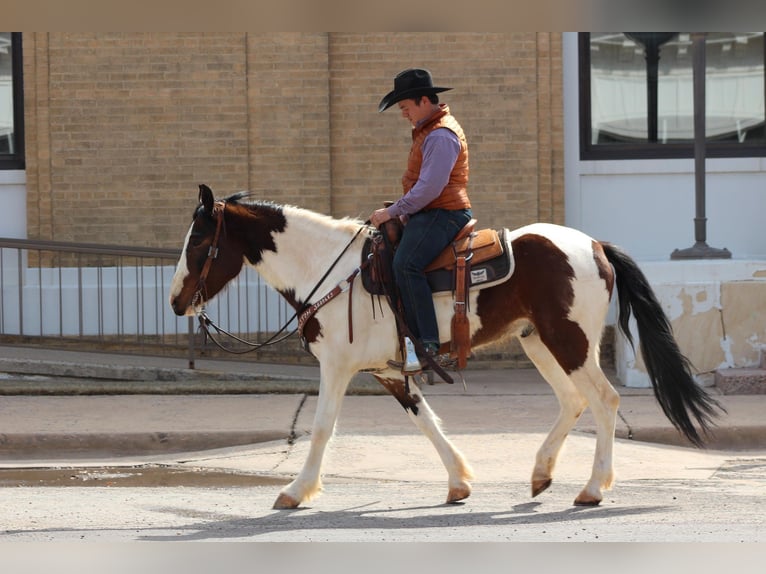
x: 411, y: 363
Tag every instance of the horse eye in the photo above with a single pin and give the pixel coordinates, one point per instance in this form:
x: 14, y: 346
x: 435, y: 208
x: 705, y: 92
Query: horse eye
x: 195, y: 240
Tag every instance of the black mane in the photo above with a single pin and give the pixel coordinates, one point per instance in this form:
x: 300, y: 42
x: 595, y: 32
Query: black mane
x: 244, y: 198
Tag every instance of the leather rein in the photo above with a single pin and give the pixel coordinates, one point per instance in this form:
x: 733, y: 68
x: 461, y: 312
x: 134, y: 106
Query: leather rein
x: 304, y: 313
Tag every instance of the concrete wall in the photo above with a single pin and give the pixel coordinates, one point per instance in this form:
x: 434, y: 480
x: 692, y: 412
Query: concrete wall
x: 718, y: 313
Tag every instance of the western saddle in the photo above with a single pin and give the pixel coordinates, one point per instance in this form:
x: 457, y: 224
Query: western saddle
x: 469, y: 247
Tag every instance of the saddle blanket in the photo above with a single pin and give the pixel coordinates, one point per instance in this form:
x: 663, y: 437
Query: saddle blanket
x: 483, y: 274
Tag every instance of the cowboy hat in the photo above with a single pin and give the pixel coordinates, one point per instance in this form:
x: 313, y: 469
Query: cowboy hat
x: 411, y: 83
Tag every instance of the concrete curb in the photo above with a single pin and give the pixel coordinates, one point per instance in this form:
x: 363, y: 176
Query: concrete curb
x: 66, y: 446
x: 736, y: 438
x: 125, y: 372
x: 41, y: 377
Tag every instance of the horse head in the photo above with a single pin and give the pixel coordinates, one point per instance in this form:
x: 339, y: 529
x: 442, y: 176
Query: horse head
x: 210, y: 258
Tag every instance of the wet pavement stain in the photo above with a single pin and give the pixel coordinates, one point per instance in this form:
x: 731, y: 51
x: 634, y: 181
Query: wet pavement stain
x: 138, y: 476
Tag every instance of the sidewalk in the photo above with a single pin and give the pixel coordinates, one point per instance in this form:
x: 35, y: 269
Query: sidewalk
x: 64, y: 405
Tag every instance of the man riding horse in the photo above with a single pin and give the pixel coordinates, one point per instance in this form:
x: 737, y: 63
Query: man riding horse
x: 434, y: 205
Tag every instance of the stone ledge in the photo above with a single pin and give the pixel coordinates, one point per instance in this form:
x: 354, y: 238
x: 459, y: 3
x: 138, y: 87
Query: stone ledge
x: 746, y: 381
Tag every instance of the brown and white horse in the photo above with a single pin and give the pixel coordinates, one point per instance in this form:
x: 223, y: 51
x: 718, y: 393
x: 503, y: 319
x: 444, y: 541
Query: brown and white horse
x: 555, y: 301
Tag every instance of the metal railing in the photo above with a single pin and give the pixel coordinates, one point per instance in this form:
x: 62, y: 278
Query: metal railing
x: 113, y: 298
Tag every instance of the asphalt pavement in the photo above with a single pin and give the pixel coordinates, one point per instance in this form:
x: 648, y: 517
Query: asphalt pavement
x: 75, y: 419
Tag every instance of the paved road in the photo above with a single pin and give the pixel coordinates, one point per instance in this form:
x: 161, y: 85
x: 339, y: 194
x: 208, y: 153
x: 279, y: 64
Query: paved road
x: 161, y: 467
x: 384, y: 482
x: 716, y: 498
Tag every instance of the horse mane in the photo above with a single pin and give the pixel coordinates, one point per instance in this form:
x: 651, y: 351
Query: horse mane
x: 247, y: 199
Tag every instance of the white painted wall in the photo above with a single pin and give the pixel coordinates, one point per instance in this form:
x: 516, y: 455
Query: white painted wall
x: 13, y: 204
x: 647, y: 207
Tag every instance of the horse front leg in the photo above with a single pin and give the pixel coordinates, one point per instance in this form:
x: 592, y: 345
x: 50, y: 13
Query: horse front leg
x: 413, y: 401
x: 308, y: 483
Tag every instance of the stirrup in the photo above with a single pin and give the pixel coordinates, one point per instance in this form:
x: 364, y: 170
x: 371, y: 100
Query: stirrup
x: 444, y: 361
x: 407, y: 370
x: 411, y: 365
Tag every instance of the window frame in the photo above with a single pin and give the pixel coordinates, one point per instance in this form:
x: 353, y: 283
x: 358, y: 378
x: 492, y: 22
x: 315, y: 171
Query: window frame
x: 625, y: 151
x: 16, y: 160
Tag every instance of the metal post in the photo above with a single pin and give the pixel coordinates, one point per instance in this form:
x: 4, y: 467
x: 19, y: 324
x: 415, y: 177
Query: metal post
x: 652, y: 56
x: 700, y: 249
x: 652, y: 43
x: 191, y: 342
x: 698, y: 71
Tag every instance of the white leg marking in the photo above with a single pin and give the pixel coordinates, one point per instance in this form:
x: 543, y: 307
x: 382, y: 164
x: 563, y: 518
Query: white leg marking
x: 458, y: 469
x: 571, y: 406
x: 604, y: 401
x: 308, y: 483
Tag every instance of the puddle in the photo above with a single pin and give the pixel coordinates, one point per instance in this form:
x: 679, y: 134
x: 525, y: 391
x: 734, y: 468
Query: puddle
x: 138, y: 476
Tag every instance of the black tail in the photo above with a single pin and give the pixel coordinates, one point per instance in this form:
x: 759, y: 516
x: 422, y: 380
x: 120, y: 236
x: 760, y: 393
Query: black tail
x: 680, y: 397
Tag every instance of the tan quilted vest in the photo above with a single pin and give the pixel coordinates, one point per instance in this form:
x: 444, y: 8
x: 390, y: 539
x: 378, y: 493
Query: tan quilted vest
x: 454, y: 195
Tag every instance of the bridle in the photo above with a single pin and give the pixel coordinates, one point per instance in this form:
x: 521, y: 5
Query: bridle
x: 212, y: 253
x: 205, y: 322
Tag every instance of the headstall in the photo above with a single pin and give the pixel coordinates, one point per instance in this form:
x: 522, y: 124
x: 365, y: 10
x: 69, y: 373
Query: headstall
x: 212, y: 252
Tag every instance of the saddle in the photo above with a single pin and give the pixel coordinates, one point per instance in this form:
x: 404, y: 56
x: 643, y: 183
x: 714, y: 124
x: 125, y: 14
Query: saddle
x: 474, y: 259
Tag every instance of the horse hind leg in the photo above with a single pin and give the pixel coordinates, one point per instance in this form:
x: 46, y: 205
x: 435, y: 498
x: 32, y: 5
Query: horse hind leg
x: 571, y: 406
x: 604, y: 402
x: 459, y: 471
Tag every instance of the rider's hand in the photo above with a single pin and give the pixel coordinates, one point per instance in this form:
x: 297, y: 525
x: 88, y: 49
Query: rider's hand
x: 379, y: 217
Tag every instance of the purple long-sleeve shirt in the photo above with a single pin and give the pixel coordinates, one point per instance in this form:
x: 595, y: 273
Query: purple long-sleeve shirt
x: 440, y: 150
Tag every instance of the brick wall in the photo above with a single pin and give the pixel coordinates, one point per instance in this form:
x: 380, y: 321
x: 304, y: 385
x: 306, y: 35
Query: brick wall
x: 289, y: 121
x: 121, y: 128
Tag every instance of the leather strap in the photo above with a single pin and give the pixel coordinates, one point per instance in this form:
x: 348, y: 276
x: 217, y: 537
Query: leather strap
x: 460, y: 328
x: 345, y: 285
x: 212, y: 252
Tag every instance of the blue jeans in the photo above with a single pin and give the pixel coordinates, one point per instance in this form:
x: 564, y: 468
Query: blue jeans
x: 426, y: 234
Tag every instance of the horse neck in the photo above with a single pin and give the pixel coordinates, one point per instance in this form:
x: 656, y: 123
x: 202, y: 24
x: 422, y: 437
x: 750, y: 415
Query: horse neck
x: 306, y: 249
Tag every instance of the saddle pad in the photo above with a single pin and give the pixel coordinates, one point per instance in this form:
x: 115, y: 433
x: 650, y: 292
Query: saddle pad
x: 486, y: 245
x: 483, y: 273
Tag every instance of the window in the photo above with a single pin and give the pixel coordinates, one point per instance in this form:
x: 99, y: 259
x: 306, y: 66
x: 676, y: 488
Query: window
x: 11, y: 102
x: 636, y: 95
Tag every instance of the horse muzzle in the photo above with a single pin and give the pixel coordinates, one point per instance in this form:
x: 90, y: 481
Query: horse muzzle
x: 189, y: 309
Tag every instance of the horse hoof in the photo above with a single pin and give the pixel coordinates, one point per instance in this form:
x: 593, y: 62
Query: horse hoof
x: 285, y: 502
x: 586, y: 500
x: 539, y: 486
x: 458, y: 493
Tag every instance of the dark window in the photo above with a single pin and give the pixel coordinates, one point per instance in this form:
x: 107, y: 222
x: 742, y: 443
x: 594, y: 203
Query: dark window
x: 11, y: 102
x: 636, y: 95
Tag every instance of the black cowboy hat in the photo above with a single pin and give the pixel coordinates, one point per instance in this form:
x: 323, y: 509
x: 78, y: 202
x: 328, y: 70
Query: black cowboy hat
x: 411, y: 83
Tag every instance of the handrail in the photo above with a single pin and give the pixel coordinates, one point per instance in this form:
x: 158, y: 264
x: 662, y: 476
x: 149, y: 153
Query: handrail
x: 116, y: 296
x: 91, y: 248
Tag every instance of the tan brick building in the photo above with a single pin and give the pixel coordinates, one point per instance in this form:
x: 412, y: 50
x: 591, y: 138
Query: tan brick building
x: 121, y: 128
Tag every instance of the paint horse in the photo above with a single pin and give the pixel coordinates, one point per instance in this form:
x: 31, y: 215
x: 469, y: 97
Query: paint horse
x: 555, y: 302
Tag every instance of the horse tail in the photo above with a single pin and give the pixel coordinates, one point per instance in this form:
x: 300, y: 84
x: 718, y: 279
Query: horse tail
x: 670, y: 372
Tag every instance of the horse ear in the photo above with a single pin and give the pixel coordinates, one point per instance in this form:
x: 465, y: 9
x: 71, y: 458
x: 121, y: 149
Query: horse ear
x: 206, y: 197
